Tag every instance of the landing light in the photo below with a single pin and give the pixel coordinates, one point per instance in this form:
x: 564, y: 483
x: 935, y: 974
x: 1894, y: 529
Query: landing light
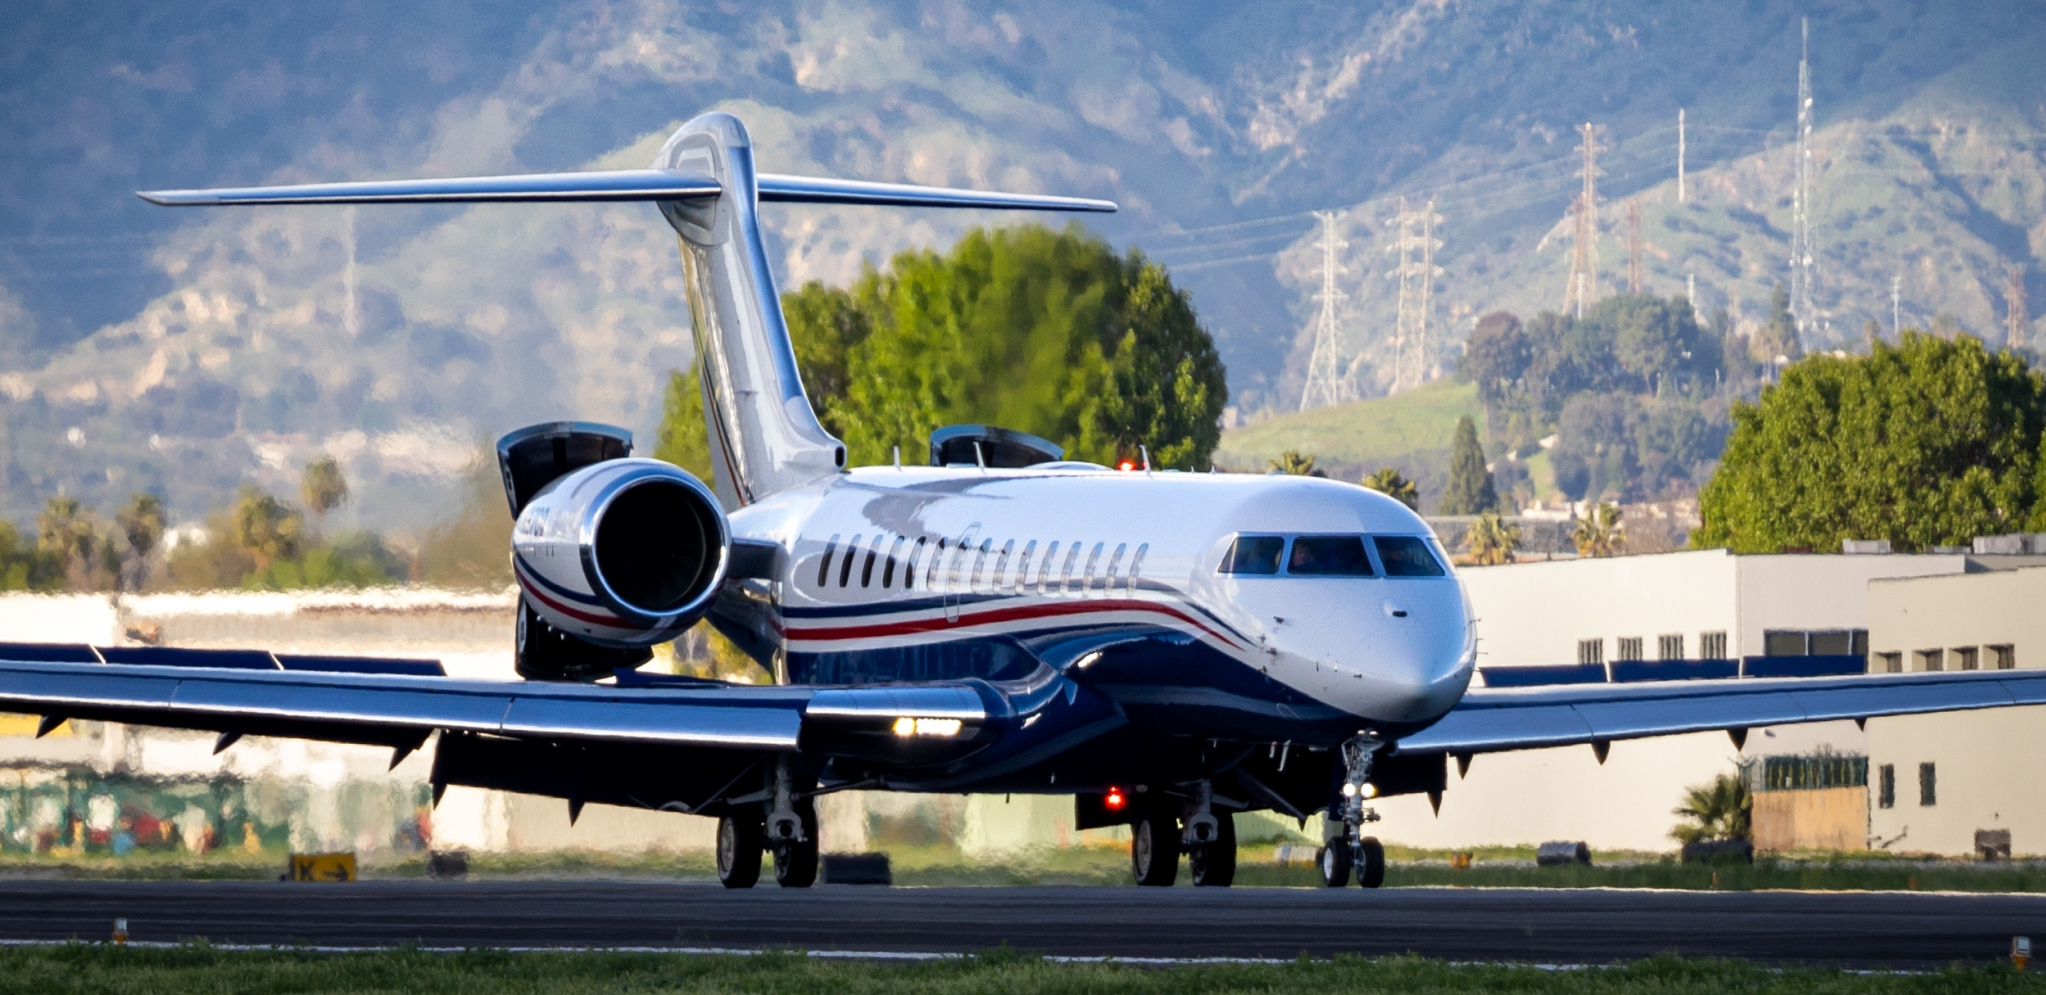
x: 906, y: 727
x: 1114, y: 800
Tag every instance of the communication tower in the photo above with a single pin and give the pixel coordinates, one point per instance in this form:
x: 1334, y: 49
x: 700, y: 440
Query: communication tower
x: 1325, y: 381
x: 1633, y: 246
x: 1680, y: 155
x: 1582, y: 285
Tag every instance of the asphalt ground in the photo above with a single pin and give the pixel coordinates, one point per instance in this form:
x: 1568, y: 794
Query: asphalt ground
x: 1859, y: 929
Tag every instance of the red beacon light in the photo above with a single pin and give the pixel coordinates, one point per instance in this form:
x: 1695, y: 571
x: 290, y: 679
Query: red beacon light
x: 1114, y: 800
x: 1125, y: 466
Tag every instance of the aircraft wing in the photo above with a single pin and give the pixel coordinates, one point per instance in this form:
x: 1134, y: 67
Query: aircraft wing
x: 346, y: 700
x: 1490, y: 720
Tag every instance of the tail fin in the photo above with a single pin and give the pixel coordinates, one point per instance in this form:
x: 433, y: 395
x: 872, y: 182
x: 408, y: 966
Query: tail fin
x: 764, y: 435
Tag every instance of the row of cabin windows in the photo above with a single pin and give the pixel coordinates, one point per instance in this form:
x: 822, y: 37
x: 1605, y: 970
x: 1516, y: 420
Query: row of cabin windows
x: 1668, y: 646
x: 2004, y: 657
x: 898, y: 558
x: 1331, y: 556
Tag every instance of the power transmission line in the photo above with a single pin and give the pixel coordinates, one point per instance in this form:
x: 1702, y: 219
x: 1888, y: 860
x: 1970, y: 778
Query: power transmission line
x: 1583, y: 282
x: 1417, y: 292
x: 1325, y: 381
x: 1680, y: 155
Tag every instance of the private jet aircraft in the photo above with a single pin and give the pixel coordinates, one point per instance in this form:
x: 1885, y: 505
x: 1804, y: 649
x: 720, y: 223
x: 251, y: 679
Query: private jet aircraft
x: 1170, y: 648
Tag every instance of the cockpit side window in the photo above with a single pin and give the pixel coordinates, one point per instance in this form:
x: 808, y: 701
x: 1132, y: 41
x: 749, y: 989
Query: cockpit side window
x: 1407, y: 556
x: 1255, y: 555
x: 1329, y: 556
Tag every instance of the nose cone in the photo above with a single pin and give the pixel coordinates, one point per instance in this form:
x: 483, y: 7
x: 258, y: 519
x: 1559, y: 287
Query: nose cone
x: 1398, y: 653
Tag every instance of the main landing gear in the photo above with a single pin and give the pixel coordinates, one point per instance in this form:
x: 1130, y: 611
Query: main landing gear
x: 1209, y: 839
x: 788, y: 830
x: 1346, y: 850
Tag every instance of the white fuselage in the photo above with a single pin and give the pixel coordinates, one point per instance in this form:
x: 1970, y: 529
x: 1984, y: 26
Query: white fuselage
x: 882, y: 557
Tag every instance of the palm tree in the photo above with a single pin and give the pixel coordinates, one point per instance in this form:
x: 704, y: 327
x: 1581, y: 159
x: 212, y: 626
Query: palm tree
x: 69, y: 534
x: 1716, y: 811
x: 323, y: 485
x: 1391, y: 483
x: 1297, y: 463
x: 265, y: 529
x: 1598, y: 534
x: 141, y: 523
x: 1491, y: 541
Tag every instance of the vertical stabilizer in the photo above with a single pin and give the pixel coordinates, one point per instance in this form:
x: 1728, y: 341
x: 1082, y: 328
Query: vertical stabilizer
x: 764, y: 436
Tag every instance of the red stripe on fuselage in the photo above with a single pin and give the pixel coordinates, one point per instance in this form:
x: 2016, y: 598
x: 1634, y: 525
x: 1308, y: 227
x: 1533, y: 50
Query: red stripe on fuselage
x: 996, y: 615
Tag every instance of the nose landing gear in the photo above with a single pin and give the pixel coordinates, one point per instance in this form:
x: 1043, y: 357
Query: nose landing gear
x: 1346, y: 850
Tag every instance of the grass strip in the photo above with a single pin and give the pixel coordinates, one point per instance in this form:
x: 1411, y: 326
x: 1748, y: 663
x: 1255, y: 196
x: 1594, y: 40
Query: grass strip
x: 96, y: 969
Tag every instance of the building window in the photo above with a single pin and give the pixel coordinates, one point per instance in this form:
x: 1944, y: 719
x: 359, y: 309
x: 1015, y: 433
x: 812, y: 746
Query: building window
x: 1783, y: 642
x: 1889, y: 663
x: 1965, y: 658
x: 1669, y: 646
x: 1928, y: 786
x: 1929, y: 660
x: 2003, y: 657
x: 1629, y: 648
x: 1886, y: 786
x: 1712, y: 645
x: 1592, y: 651
x: 1831, y: 642
x: 1812, y: 773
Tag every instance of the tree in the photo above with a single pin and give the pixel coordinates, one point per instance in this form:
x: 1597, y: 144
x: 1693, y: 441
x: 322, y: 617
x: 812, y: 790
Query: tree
x: 264, y: 529
x: 77, y: 545
x: 141, y: 525
x: 684, y: 438
x: 1491, y: 541
x: 323, y: 486
x: 1924, y: 443
x: 1296, y: 463
x: 1713, y: 812
x: 825, y: 325
x: 1496, y: 356
x: 1392, y: 484
x: 1470, y: 490
x: 1598, y: 534
x: 1049, y: 332
x: 1778, y: 337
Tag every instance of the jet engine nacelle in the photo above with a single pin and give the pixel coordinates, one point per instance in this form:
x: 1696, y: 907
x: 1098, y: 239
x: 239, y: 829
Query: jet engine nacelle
x: 622, y: 553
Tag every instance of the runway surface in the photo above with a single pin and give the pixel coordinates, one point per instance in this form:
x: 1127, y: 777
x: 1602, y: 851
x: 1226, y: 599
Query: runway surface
x: 1903, y: 930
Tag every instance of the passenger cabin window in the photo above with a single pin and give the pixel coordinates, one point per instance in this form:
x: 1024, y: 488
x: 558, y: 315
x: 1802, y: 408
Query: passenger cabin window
x: 867, y: 568
x: 1258, y: 555
x: 1136, y: 564
x: 1407, y: 556
x: 824, y: 564
x: 888, y: 568
x: 916, y: 552
x: 1329, y: 556
x: 1066, y: 572
x: 1051, y: 553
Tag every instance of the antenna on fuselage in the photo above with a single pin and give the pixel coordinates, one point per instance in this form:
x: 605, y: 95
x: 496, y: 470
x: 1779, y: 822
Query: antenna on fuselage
x: 898, y: 456
x: 1146, y: 453
x: 979, y: 457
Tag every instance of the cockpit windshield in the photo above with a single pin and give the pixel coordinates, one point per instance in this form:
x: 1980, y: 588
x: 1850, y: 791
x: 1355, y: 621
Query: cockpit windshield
x: 1332, y: 556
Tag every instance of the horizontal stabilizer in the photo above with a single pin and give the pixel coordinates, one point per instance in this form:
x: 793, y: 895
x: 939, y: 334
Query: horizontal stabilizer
x: 613, y: 185
x: 819, y: 190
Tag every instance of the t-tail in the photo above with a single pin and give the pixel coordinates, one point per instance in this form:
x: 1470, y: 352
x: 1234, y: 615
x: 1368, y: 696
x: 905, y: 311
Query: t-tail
x: 764, y: 434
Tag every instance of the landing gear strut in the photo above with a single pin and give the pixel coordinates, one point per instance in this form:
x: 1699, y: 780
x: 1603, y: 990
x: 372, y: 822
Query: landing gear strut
x: 1353, y: 851
x: 792, y: 831
x: 1214, y: 863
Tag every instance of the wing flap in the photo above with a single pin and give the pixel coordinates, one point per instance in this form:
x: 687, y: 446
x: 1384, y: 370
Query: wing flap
x: 680, y: 724
x: 1496, y: 719
x: 824, y: 190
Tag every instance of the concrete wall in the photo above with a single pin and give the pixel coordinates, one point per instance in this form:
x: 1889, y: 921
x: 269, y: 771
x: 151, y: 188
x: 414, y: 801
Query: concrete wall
x: 1973, y: 610
x: 1822, y: 592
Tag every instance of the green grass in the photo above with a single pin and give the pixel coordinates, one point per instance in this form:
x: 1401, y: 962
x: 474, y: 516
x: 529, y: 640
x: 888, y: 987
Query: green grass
x: 104, y: 970
x: 1410, y: 431
x: 938, y: 865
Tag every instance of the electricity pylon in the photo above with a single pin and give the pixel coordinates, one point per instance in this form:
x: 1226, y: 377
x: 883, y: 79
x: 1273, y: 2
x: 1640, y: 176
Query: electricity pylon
x: 1582, y: 286
x: 1801, y: 200
x: 1416, y: 278
x: 1633, y: 246
x: 2017, y: 316
x: 1325, y: 381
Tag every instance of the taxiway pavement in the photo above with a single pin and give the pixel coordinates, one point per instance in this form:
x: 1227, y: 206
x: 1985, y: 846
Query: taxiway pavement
x: 1900, y: 930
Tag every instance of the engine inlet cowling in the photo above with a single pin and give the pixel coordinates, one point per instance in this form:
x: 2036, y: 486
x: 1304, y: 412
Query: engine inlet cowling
x: 625, y: 553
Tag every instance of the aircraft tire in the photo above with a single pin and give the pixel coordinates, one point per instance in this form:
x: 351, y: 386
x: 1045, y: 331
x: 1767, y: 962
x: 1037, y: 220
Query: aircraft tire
x: 1334, y: 863
x: 1154, y: 849
x: 795, y: 861
x: 1370, y: 863
x: 739, y: 848
x: 1214, y: 863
